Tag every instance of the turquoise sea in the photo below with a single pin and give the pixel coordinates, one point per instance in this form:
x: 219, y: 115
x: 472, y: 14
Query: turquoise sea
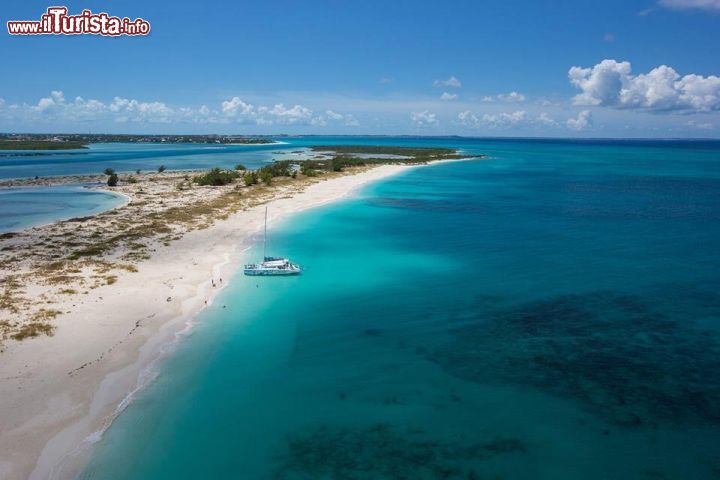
x: 551, y: 312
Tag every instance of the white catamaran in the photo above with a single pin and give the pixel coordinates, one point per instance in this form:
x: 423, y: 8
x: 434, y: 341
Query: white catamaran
x: 271, y: 265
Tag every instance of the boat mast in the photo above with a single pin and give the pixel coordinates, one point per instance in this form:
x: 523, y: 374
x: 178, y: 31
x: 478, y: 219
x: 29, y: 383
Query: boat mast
x: 265, y: 236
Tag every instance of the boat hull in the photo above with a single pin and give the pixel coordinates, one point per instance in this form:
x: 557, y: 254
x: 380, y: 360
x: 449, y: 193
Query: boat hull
x: 270, y: 273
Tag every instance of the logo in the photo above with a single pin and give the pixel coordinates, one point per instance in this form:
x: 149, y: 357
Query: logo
x: 56, y: 21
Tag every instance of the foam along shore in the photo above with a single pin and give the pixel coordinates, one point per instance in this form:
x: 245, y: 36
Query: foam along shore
x: 57, y: 394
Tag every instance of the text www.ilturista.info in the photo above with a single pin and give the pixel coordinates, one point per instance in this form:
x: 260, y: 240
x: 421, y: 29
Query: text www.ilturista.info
x: 57, y: 22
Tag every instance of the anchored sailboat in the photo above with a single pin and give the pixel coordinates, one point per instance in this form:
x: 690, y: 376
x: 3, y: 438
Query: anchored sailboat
x: 271, y: 265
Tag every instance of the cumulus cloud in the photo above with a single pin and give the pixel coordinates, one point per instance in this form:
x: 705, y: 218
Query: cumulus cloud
x: 282, y: 115
x: 612, y: 84
x: 451, y: 82
x: 332, y: 117
x: 448, y: 96
x: 56, y: 108
x: 424, y: 118
x: 235, y: 106
x: 505, y: 119
x: 511, y: 97
x: 713, y: 5
x: 545, y: 119
x: 581, y: 122
x: 521, y: 119
x: 468, y: 119
x: 136, y: 111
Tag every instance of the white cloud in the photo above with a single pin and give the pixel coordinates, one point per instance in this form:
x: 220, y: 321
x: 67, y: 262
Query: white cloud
x: 332, y: 117
x: 424, y: 118
x: 448, y: 96
x: 611, y: 83
x: 488, y: 99
x: 517, y: 119
x: 386, y: 80
x: 285, y: 116
x: 689, y: 4
x: 511, y: 97
x: 451, y: 82
x: 505, y: 119
x: 545, y: 119
x: 56, y: 108
x: 128, y: 110
x: 581, y: 122
x: 468, y: 119
x: 235, y: 107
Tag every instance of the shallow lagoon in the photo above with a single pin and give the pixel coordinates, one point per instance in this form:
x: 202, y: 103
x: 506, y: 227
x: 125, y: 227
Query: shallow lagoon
x: 33, y: 206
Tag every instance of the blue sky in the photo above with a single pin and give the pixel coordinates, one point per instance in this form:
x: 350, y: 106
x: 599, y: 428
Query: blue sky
x: 646, y: 68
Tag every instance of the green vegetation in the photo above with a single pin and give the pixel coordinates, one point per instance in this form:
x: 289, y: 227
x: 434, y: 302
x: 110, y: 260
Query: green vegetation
x: 266, y: 176
x: 108, y: 171
x: 250, y: 178
x: 112, y: 180
x: 346, y: 156
x: 417, y: 152
x: 33, y: 329
x: 216, y: 177
x: 161, y: 168
x: 7, y: 144
x: 240, y: 166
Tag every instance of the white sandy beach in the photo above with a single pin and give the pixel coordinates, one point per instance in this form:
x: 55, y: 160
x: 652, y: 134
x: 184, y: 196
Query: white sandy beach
x: 58, y: 393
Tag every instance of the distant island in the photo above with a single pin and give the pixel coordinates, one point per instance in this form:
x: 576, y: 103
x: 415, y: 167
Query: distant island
x: 35, y: 141
x: 6, y: 144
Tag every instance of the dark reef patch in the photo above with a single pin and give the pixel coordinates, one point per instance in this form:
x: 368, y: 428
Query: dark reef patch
x: 387, y: 452
x: 610, y: 352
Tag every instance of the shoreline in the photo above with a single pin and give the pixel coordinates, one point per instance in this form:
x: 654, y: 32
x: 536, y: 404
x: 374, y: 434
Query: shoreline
x: 51, y: 438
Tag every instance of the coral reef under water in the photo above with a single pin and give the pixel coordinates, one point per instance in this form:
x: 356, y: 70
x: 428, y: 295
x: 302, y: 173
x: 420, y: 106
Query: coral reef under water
x: 385, y: 451
x: 612, y: 353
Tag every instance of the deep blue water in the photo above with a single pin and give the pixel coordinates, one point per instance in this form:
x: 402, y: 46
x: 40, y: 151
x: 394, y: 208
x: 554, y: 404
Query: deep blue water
x: 548, y: 313
x: 32, y: 206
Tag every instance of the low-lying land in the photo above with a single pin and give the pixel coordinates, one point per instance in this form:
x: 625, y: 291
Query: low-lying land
x: 45, y: 267
x: 38, y: 141
x: 38, y: 144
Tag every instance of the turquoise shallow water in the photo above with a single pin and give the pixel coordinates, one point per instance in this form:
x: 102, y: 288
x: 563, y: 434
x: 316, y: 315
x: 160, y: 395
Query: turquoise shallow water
x: 548, y: 313
x: 32, y: 206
